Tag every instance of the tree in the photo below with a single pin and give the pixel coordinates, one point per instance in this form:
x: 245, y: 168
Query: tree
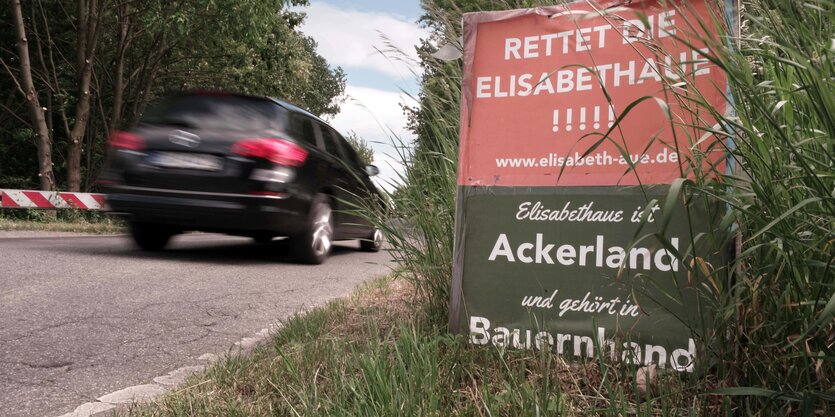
x: 86, y: 70
x: 26, y: 87
x: 87, y: 24
x: 250, y: 46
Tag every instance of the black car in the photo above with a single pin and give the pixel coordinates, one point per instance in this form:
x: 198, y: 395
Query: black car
x: 241, y: 165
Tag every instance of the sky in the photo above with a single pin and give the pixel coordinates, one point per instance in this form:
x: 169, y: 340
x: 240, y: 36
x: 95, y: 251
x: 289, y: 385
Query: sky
x: 351, y: 34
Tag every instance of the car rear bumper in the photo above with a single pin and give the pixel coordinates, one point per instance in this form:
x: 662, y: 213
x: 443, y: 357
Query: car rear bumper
x: 217, y: 212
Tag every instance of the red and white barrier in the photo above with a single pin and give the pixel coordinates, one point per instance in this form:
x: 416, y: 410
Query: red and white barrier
x: 50, y: 200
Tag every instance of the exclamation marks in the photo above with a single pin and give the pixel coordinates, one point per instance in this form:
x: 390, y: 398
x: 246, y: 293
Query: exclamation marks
x: 568, y: 122
x: 583, y: 113
x: 556, y: 127
x: 582, y: 118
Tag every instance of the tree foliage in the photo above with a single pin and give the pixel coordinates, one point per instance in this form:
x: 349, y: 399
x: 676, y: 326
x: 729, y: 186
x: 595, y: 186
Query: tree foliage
x: 96, y: 64
x: 364, y: 150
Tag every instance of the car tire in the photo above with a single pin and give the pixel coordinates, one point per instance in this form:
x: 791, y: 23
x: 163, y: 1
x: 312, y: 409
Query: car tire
x: 372, y: 243
x: 313, y: 245
x: 149, y: 236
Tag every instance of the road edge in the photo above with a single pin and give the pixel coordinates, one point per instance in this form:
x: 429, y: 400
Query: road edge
x: 109, y: 403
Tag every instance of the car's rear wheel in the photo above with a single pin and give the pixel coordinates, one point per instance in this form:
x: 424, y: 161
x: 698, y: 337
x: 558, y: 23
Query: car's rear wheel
x: 150, y: 236
x: 374, y: 242
x: 313, y: 245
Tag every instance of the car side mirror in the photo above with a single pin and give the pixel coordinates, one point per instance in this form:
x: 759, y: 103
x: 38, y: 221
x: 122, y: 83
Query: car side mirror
x: 372, y: 170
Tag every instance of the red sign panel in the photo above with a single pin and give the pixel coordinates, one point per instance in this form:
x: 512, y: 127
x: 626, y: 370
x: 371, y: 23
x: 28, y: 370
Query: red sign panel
x: 536, y: 86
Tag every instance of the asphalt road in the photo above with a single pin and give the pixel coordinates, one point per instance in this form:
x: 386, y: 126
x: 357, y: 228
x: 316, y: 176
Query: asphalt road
x: 82, y: 316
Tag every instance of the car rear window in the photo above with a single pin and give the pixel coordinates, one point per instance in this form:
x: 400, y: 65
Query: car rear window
x: 214, y: 112
x: 302, y: 129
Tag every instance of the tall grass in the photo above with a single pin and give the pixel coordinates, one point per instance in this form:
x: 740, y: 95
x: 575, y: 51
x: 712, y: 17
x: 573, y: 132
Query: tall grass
x: 782, y: 80
x: 420, y: 232
x: 775, y: 328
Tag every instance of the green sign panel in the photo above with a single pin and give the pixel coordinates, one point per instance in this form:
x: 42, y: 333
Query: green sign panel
x: 574, y: 268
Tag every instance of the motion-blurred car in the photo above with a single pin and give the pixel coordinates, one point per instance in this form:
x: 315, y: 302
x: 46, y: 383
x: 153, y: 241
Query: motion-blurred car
x: 241, y: 165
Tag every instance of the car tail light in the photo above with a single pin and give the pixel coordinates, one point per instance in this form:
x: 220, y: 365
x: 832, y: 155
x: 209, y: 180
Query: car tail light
x: 279, y: 151
x: 126, y: 140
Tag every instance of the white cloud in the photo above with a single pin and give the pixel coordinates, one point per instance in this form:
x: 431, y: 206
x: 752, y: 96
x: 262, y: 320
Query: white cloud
x: 348, y: 38
x: 352, y: 39
x: 375, y: 115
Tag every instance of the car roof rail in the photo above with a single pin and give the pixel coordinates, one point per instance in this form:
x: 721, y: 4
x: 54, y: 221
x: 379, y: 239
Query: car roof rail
x: 297, y: 109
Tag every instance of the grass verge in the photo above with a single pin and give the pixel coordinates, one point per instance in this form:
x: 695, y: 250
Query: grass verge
x: 62, y: 221
x: 376, y: 354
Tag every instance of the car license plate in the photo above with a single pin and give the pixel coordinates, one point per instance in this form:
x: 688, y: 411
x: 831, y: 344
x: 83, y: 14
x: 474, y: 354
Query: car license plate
x: 184, y: 160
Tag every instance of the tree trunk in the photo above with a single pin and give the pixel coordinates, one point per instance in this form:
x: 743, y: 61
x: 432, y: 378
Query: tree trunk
x: 43, y: 139
x: 119, y: 82
x: 88, y: 18
x: 147, y: 76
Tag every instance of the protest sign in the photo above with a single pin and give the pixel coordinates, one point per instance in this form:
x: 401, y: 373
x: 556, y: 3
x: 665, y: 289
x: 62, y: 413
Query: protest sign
x: 576, y: 120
